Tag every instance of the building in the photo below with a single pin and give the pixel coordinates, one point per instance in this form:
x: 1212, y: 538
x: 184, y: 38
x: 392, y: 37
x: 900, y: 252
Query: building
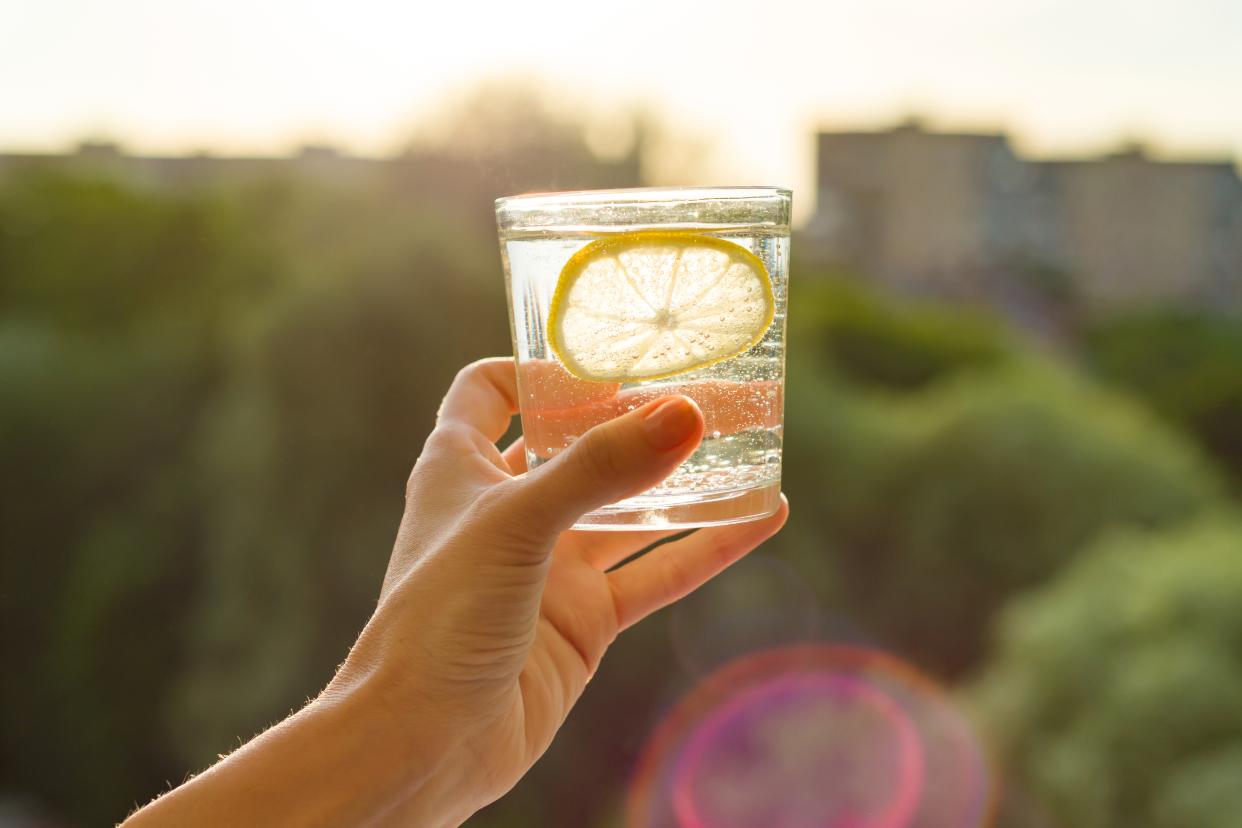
x: 461, y: 184
x: 963, y: 214
x: 923, y: 209
x: 1139, y: 230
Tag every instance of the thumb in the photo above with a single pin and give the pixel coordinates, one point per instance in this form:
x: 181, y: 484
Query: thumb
x: 614, y: 460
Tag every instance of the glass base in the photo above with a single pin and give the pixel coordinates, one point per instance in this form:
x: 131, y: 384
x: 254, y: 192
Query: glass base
x: 647, y: 513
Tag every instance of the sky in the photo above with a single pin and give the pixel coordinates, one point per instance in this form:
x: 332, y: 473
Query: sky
x: 750, y: 80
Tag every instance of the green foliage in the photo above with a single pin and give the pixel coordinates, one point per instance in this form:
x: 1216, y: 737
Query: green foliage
x: 874, y: 342
x: 112, y: 301
x: 938, y: 507
x: 213, y: 394
x: 1203, y: 791
x: 951, y: 470
x: 89, y: 254
x: 1008, y: 480
x: 214, y: 390
x: 1114, y: 694
x: 1186, y: 366
x: 306, y: 459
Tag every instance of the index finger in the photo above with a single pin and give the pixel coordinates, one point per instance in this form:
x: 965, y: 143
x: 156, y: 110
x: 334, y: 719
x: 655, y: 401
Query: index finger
x: 483, y: 397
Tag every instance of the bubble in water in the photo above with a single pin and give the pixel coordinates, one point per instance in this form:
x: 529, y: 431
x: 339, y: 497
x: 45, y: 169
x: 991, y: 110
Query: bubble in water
x: 715, y: 435
x: 813, y: 736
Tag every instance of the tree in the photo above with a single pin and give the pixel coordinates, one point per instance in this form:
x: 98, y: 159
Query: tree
x: 1113, y: 697
x: 306, y: 452
x: 939, y: 507
x: 108, y: 351
x: 1187, y: 366
x: 877, y: 342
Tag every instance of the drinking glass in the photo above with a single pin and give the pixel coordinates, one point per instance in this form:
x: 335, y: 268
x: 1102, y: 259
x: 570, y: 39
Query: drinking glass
x: 735, y: 473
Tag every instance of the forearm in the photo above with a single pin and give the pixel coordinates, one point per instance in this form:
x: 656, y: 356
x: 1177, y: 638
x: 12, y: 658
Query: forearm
x: 345, y: 759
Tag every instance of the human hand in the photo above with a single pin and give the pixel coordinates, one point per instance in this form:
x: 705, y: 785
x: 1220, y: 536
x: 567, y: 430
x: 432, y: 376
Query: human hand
x: 493, y: 614
x: 492, y: 618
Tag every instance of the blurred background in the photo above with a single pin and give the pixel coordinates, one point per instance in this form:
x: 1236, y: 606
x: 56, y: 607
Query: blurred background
x: 238, y: 242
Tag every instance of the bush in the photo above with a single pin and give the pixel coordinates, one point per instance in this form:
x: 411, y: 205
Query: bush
x: 110, y: 301
x: 1188, y: 367
x: 305, y: 454
x: 875, y: 341
x: 1114, y: 695
x: 939, y: 507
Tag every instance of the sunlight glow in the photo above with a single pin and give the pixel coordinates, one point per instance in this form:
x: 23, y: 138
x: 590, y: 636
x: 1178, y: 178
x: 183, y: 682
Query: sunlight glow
x: 749, y: 85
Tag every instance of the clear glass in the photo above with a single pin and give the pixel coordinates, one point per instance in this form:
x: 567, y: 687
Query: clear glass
x: 735, y: 474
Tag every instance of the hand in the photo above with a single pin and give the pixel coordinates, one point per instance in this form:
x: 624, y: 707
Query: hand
x: 502, y: 614
x: 492, y: 618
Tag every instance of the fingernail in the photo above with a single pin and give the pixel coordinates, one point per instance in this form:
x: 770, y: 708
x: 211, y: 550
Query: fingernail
x: 670, y: 423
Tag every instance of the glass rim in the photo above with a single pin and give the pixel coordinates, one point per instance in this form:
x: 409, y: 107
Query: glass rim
x: 643, y: 195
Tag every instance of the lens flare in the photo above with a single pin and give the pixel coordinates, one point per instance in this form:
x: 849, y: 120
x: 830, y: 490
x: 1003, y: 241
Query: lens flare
x: 813, y: 736
x: 785, y: 734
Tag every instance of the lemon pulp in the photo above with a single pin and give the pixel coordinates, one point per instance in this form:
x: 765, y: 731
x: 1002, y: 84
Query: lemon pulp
x: 653, y: 304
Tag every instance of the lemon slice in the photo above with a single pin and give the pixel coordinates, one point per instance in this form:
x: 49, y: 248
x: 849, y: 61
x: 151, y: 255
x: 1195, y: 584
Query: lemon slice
x: 654, y: 304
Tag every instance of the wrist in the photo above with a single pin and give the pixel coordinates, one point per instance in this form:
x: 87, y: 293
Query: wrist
x: 404, y: 755
x: 347, y: 758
